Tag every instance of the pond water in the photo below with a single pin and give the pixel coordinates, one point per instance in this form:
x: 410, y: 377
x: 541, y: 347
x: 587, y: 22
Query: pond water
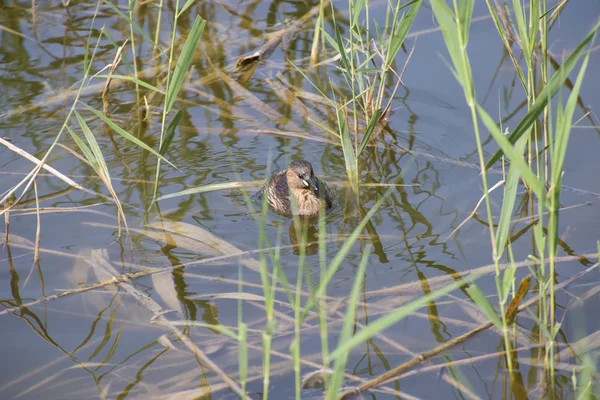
x: 104, y: 342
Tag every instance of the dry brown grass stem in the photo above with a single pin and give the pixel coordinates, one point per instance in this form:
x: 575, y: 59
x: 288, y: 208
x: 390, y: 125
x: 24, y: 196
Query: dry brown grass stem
x: 39, y: 165
x: 111, y: 70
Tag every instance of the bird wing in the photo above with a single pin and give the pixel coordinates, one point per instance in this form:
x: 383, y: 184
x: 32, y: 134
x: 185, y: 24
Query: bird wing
x: 279, y: 192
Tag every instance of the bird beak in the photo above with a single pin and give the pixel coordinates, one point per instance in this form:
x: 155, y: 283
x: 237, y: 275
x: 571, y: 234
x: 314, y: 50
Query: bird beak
x: 311, y: 184
x: 314, y: 185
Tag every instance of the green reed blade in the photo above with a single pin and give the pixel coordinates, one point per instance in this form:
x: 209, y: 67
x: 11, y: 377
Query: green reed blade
x: 521, y: 25
x: 170, y: 133
x: 509, y: 199
x: 484, y: 304
x: 187, y: 5
x: 243, y: 355
x: 554, y: 84
x: 563, y: 124
x: 347, y: 147
x: 508, y: 277
x: 126, y: 134
x: 93, y: 145
x: 369, y: 131
x: 204, y: 189
x: 397, y: 315
x: 131, y: 79
x: 399, y: 34
x: 339, y: 43
x: 505, y: 36
x: 465, y: 13
x: 515, y: 157
x: 184, y: 61
x: 337, y: 378
x: 87, y: 153
x: 445, y: 19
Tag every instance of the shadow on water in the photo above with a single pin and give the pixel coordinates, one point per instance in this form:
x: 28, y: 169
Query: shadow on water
x: 71, y: 329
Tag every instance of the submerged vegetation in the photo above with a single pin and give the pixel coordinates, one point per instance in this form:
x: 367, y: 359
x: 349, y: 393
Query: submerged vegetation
x: 354, y: 65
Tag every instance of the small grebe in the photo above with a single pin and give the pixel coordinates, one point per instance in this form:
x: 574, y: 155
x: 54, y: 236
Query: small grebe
x: 297, y: 181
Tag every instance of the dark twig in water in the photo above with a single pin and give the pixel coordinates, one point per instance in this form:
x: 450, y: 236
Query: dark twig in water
x: 275, y: 38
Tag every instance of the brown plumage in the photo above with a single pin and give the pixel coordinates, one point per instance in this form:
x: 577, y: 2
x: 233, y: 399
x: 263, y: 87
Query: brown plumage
x: 297, y: 191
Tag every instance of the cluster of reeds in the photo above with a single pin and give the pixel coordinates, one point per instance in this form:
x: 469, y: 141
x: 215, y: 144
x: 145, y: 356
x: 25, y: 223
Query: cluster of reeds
x: 538, y: 164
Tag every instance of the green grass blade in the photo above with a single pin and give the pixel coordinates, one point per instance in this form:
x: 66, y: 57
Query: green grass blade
x: 513, y: 155
x: 243, y: 355
x: 187, y: 5
x: 554, y: 84
x: 93, y: 144
x: 505, y: 38
x: 203, y: 189
x: 507, y: 281
x: 445, y: 18
x: 521, y: 25
x: 184, y: 61
x: 508, y: 202
x: 339, y: 43
x: 347, y: 147
x: 170, y: 133
x: 346, y: 333
x: 484, y: 304
x: 465, y: 12
x: 400, y: 33
x: 534, y: 16
x: 87, y: 153
x: 369, y: 131
x: 563, y: 125
x: 126, y: 134
x: 131, y: 79
x: 394, y: 317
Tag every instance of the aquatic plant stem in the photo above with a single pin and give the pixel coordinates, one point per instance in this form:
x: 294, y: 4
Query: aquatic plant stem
x: 455, y: 29
x: 132, y: 4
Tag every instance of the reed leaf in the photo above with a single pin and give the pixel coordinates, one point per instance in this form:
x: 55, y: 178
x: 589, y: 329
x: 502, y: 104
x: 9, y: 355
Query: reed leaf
x: 369, y: 131
x: 554, y: 84
x: 98, y: 159
x: 508, y: 201
x: 170, y: 133
x: 395, y: 316
x: 131, y: 79
x: 126, y: 134
x: 484, y: 304
x: 399, y: 34
x: 513, y: 155
x: 184, y: 61
x: 347, y: 328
